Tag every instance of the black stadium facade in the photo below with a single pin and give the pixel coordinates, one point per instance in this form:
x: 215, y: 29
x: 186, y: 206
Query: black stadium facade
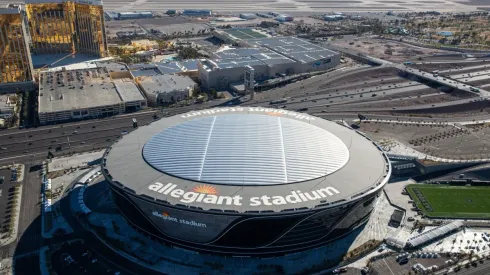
x: 246, y: 181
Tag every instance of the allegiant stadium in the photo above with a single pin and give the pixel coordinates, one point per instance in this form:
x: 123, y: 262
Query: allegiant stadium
x: 245, y: 181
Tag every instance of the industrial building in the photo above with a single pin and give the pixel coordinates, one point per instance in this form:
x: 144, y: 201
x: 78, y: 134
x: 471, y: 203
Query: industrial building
x: 58, y: 26
x: 197, y: 13
x: 15, y: 63
x: 270, y: 57
x: 186, y: 67
x: 87, y: 93
x: 239, y: 36
x: 245, y: 181
x: 284, y: 18
x: 248, y: 16
x: 335, y: 17
x: 134, y: 15
x: 165, y: 89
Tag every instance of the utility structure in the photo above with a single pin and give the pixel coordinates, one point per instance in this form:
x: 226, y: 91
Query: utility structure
x: 249, y: 81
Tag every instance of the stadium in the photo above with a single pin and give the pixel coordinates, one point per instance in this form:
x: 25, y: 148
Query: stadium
x: 245, y: 181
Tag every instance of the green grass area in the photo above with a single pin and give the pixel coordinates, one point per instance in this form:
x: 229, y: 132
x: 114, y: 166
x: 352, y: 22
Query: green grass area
x: 444, y: 201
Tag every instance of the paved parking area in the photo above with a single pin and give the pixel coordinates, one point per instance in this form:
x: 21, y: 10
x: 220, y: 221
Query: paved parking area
x: 389, y: 266
x: 7, y: 207
x: 78, y: 259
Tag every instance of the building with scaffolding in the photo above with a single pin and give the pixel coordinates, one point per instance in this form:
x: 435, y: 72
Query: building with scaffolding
x: 15, y: 61
x: 58, y: 26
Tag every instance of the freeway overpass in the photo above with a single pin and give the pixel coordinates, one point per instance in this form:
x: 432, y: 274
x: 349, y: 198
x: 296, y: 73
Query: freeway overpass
x: 411, y: 71
x: 442, y: 80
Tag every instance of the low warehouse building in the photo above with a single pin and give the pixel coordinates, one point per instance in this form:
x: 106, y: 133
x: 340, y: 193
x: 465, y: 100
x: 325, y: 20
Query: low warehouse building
x: 85, y: 93
x: 165, y: 89
x: 270, y: 57
x: 248, y: 16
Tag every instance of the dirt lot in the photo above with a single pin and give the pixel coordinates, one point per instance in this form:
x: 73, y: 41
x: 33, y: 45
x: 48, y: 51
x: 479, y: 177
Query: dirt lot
x: 440, y: 141
x: 380, y: 48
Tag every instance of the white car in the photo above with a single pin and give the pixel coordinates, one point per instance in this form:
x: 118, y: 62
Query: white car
x: 94, y: 261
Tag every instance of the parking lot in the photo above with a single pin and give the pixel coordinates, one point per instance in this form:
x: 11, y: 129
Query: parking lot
x: 76, y: 258
x: 390, y: 265
x: 8, y: 200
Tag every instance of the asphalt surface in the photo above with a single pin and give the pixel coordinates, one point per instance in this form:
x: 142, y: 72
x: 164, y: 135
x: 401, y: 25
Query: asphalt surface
x: 76, y: 258
x: 32, y: 145
x: 479, y: 269
x: 99, y: 249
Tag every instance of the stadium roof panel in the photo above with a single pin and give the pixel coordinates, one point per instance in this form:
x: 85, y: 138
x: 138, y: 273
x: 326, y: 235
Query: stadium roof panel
x: 246, y: 149
x: 164, y: 160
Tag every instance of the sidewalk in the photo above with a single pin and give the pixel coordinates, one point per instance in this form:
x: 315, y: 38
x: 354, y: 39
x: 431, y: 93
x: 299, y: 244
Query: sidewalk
x: 15, y: 215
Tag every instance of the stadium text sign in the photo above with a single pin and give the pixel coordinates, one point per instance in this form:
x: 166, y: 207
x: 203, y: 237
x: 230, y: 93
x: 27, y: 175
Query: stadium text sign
x: 258, y: 110
x: 189, y: 197
x: 167, y: 217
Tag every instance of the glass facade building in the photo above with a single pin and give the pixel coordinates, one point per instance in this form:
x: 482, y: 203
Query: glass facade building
x: 15, y: 60
x: 67, y: 27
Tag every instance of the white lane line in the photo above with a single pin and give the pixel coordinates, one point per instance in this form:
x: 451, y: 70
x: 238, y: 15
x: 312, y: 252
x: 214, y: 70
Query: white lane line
x: 92, y: 121
x: 388, y: 266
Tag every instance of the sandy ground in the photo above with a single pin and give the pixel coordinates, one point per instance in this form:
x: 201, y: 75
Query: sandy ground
x: 377, y: 47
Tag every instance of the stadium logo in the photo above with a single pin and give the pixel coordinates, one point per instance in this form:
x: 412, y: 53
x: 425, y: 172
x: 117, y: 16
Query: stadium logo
x: 209, y: 195
x: 165, y: 216
x: 205, y: 189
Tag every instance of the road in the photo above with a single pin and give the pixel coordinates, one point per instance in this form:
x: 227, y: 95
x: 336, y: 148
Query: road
x: 480, y: 269
x: 99, y: 248
x: 20, y: 145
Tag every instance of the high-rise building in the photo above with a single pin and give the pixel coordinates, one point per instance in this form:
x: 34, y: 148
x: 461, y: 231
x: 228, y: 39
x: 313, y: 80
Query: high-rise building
x: 58, y: 26
x: 15, y: 58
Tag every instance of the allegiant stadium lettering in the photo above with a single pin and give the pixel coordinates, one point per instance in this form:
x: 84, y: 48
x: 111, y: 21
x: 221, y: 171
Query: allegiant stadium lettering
x: 182, y: 221
x: 271, y: 111
x: 297, y: 196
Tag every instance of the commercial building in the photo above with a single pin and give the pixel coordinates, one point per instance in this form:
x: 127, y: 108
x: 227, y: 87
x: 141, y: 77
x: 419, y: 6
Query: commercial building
x: 134, y: 15
x: 246, y: 181
x: 186, y: 67
x: 248, y: 16
x: 15, y: 58
x: 87, y: 93
x: 58, y: 26
x: 270, y: 57
x: 284, y: 18
x: 8, y: 108
x: 164, y: 89
x: 197, y: 13
x: 335, y: 17
x: 239, y: 36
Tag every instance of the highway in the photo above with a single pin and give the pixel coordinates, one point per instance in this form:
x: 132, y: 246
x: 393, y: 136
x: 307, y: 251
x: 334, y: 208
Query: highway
x: 20, y: 145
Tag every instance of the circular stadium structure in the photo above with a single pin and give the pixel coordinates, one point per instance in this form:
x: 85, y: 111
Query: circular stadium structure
x: 247, y: 181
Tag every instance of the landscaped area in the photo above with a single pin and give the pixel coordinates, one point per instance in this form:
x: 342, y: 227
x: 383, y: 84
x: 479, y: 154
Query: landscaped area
x: 444, y: 201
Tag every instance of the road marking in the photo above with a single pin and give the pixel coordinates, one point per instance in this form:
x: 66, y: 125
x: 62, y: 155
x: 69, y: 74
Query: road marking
x: 388, y: 266
x: 92, y: 121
